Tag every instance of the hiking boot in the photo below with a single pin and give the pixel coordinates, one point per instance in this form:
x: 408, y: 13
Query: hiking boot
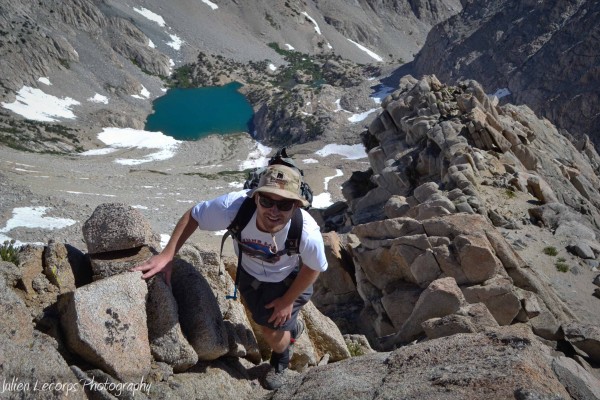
x: 274, y: 379
x: 297, y: 332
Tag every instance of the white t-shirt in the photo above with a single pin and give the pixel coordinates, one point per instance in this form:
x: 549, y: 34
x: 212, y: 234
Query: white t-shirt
x: 217, y: 214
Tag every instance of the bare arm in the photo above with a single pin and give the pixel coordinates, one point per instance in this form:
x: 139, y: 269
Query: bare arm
x: 282, y: 306
x: 163, y: 262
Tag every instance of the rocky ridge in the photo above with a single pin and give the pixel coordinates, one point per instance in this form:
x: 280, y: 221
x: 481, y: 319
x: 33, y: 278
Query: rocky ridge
x: 439, y: 150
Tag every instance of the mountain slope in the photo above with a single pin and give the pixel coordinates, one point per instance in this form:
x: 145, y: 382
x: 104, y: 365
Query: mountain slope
x: 545, y: 54
x: 123, y: 51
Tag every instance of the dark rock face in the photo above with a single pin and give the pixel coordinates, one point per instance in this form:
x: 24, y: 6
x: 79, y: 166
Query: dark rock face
x: 546, y: 54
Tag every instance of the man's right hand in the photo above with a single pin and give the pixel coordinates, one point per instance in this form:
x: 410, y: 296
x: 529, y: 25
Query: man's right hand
x: 156, y: 264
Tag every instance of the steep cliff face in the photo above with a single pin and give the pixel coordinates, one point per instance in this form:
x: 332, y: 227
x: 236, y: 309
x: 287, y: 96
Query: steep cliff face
x: 396, y: 28
x: 544, y: 53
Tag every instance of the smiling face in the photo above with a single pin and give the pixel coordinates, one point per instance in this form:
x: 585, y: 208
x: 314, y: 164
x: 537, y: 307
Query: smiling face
x: 271, y: 219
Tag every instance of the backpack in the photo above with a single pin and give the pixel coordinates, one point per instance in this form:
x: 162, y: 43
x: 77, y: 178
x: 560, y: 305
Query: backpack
x: 247, y: 209
x: 282, y: 158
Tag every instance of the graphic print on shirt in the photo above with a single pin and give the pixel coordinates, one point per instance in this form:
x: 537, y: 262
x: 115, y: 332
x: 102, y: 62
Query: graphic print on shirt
x: 261, y: 250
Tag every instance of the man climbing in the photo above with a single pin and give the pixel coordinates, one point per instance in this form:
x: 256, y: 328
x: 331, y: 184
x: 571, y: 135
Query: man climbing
x: 275, y: 272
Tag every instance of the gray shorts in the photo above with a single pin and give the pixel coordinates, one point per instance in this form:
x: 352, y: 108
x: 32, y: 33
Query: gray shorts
x: 256, y: 294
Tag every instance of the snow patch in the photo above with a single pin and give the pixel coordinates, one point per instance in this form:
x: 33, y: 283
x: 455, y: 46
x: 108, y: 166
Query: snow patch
x: 359, y: 117
x: 144, y: 94
x: 33, y: 217
x: 98, y: 98
x: 381, y: 93
x: 135, y: 138
x: 164, y: 239
x: 323, y: 200
x: 175, y: 42
x: 500, y: 93
x: 256, y: 158
x: 311, y: 19
x: 350, y: 152
x: 210, y: 4
x: 369, y: 52
x: 34, y: 104
x: 150, y: 15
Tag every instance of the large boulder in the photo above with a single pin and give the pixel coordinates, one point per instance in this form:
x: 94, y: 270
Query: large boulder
x: 442, y: 297
x: 239, y: 334
x: 585, y: 337
x: 117, y: 262
x: 205, y: 330
x: 167, y: 342
x: 471, y: 318
x: 65, y: 266
x: 117, y: 226
x: 580, y: 383
x: 500, y: 297
x: 105, y: 323
x: 36, y: 370
x: 324, y: 334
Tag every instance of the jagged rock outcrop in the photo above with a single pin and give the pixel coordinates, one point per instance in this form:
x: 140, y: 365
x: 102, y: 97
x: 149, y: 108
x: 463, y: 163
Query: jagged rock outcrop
x: 437, y: 154
x: 401, y: 251
x: 545, y: 55
x: 457, y: 137
x: 338, y: 286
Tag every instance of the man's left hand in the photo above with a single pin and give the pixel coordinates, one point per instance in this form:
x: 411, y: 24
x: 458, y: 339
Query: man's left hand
x: 282, y: 311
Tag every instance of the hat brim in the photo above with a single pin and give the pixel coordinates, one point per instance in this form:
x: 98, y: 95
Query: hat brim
x: 280, y: 192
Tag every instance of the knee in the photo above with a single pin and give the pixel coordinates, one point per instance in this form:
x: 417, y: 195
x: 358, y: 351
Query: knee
x: 277, y: 340
x: 270, y: 334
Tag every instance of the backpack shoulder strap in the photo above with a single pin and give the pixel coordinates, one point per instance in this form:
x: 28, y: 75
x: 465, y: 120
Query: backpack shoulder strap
x: 243, y: 216
x: 235, y: 228
x: 292, y: 242
x: 239, y: 222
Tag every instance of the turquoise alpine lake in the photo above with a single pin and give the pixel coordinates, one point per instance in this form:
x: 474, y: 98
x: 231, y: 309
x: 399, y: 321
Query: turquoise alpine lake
x: 190, y: 114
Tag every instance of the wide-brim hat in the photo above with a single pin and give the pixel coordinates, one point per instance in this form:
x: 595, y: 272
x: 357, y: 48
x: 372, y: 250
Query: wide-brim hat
x: 282, y: 181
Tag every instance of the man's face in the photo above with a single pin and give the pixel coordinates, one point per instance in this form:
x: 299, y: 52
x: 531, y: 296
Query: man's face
x: 269, y: 217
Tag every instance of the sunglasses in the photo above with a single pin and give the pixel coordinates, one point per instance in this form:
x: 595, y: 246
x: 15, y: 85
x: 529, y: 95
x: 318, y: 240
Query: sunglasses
x: 282, y: 205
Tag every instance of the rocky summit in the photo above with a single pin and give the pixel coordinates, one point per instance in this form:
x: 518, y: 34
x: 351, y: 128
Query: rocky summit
x: 463, y: 247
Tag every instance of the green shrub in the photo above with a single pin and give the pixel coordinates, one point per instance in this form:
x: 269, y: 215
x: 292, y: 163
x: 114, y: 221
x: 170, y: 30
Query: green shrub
x: 510, y: 193
x: 550, y: 251
x: 355, y: 349
x: 8, y: 252
x: 562, y: 266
